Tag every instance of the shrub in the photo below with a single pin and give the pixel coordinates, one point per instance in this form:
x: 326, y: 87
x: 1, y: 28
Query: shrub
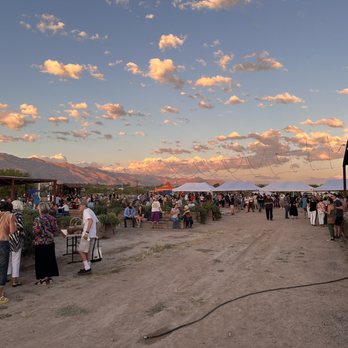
x: 28, y: 217
x: 109, y: 219
x: 100, y: 208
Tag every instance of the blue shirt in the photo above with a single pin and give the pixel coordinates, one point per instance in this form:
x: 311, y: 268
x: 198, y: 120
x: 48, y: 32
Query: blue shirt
x: 129, y: 212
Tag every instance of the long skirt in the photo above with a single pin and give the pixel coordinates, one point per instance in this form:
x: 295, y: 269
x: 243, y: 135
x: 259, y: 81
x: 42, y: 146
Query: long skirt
x: 45, y: 261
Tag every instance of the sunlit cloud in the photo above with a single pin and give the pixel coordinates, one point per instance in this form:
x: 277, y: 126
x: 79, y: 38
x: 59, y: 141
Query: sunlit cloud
x: 83, y: 35
x: 28, y: 138
x: 293, y: 129
x: 16, y: 120
x: 263, y: 63
x: 234, y: 100
x: 57, y: 158
x: 224, y: 59
x: 82, y: 105
x: 284, y: 98
x: 58, y: 119
x: 49, y: 23
x: 200, y: 148
x: 150, y: 16
x: 139, y: 133
x: 80, y: 134
x: 330, y: 122
x: 213, y: 81
x: 205, y: 105
x: 3, y: 106
x: 208, y: 4
x: 53, y: 67
x: 169, y: 109
x: 343, y: 91
x: 163, y: 72
x: 94, y: 71
x: 172, y: 151
x: 113, y: 111
x: 134, y: 68
x: 170, y: 41
x: 234, y: 147
x: 73, y: 113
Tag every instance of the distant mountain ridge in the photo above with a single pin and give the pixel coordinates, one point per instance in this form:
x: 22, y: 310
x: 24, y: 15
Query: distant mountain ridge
x: 65, y: 172
x: 69, y: 173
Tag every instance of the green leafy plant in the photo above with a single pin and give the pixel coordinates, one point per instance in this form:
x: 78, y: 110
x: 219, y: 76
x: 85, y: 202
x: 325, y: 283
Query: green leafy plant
x: 109, y: 219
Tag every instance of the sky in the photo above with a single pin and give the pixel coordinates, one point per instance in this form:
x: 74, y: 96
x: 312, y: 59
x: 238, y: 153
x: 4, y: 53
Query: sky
x: 219, y: 89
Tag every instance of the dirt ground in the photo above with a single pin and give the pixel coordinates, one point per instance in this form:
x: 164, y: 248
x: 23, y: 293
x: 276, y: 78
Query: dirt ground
x: 153, y: 280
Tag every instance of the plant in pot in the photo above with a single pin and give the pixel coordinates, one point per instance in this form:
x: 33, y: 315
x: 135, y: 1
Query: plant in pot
x: 109, y: 222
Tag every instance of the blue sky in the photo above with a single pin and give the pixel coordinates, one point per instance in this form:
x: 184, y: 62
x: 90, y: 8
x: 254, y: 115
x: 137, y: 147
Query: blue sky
x: 231, y: 89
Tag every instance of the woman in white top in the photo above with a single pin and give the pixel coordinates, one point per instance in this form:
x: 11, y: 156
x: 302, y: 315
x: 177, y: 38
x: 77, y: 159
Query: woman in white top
x: 155, y: 212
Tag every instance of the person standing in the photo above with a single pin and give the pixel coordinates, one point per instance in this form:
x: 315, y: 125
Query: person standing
x: 321, y: 212
x: 312, y: 211
x: 155, y: 212
x: 44, y: 229
x: 339, y: 216
x: 174, y: 216
x: 269, y: 207
x: 89, y: 234
x: 286, y: 204
x: 7, y: 227
x: 330, y: 212
x: 293, y: 212
x: 16, y: 243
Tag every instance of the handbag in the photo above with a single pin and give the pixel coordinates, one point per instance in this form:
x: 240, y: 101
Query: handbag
x: 96, y: 251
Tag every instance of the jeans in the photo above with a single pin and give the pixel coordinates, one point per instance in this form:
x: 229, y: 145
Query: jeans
x: 176, y: 222
x: 287, y: 209
x: 4, y: 257
x: 129, y: 218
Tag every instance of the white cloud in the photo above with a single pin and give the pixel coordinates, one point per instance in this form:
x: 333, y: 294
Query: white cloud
x: 150, y: 16
x: 205, y: 105
x: 170, y: 41
x: 263, y: 63
x: 163, y: 71
x: 16, y: 120
x: 28, y: 138
x: 213, y: 81
x: 134, y: 68
x: 58, y: 119
x: 343, y: 91
x: 330, y: 122
x: 82, y: 105
x: 49, y: 23
x: 284, y: 98
x: 234, y: 100
x: 169, y: 109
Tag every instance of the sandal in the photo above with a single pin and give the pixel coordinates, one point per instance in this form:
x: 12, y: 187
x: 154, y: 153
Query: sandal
x: 41, y: 282
x: 16, y: 284
x: 3, y: 300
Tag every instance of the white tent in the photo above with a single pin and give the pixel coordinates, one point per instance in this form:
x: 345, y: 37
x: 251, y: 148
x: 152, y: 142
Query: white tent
x: 230, y: 186
x: 332, y: 185
x: 287, y: 186
x: 194, y: 187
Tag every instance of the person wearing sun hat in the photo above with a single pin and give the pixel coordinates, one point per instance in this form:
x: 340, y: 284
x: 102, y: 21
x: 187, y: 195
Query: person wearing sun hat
x: 188, y: 221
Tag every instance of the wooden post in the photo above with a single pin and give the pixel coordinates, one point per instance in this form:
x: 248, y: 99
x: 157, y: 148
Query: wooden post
x: 345, y: 163
x: 13, y: 194
x: 53, y: 196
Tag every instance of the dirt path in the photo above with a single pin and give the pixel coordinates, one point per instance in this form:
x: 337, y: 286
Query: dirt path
x: 150, y: 281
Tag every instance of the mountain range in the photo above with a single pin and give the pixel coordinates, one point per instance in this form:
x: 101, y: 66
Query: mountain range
x: 68, y: 173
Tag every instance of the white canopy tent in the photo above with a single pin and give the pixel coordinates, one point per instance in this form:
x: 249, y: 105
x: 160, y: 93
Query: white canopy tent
x: 287, y: 186
x: 230, y: 186
x: 331, y: 185
x: 194, y: 187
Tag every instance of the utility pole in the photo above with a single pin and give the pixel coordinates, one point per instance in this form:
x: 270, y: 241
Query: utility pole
x: 345, y: 163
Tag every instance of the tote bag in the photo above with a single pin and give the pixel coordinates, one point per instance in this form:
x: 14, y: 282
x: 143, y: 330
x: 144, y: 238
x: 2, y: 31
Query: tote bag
x: 96, y: 251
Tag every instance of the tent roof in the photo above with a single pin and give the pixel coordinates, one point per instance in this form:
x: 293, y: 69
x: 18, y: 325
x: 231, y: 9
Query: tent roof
x: 166, y: 187
x: 237, y: 186
x: 287, y: 186
x: 332, y: 185
x: 194, y: 187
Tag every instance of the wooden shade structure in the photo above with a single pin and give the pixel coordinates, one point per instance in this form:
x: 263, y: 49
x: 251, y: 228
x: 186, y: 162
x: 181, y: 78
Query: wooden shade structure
x: 18, y: 180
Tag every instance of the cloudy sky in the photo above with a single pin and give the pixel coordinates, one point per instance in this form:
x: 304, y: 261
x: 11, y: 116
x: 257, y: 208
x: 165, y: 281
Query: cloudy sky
x: 232, y: 89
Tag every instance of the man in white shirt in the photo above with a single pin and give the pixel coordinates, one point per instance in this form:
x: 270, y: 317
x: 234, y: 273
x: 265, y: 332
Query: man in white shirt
x: 89, y: 234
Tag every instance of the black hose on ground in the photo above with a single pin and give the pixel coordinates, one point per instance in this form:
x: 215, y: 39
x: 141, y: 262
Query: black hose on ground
x: 146, y: 337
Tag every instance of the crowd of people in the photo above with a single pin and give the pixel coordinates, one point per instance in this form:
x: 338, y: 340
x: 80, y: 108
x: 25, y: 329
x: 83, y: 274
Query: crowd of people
x: 323, y: 210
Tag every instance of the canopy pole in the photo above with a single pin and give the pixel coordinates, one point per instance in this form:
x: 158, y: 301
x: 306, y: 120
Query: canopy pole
x: 345, y: 163
x: 12, y: 190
